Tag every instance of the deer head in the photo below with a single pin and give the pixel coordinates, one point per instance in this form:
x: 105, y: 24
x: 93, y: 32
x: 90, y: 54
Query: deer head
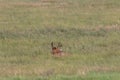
x: 56, y: 50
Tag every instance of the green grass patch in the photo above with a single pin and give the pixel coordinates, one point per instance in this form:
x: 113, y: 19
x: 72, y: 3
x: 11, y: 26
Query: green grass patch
x: 91, y: 76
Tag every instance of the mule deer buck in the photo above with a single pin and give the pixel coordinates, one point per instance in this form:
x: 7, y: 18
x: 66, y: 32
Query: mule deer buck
x: 57, y: 50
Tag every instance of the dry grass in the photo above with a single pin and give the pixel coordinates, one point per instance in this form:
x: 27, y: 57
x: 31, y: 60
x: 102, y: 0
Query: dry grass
x: 41, y: 4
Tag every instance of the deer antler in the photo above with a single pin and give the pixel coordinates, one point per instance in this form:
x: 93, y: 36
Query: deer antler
x: 52, y: 45
x: 59, y: 45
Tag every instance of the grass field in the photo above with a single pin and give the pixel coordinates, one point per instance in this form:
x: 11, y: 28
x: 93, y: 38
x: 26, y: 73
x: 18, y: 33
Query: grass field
x: 88, y: 29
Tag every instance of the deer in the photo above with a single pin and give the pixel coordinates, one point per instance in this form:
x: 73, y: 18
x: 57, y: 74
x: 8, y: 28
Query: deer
x: 57, y: 50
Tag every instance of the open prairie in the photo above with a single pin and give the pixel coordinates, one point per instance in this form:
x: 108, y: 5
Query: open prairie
x: 88, y: 29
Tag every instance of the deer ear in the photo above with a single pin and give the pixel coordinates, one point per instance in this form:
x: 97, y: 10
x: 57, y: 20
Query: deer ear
x: 59, y: 44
